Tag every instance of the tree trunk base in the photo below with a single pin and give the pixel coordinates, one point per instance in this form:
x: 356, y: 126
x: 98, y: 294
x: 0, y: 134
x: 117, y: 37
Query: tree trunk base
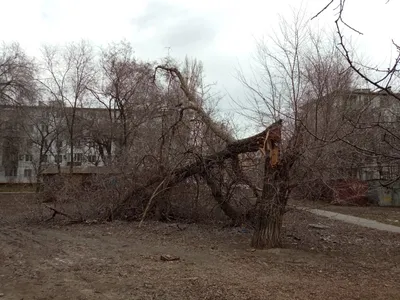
x: 268, y: 232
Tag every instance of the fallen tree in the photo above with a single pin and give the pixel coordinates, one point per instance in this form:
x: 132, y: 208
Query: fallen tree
x: 270, y: 205
x: 199, y: 167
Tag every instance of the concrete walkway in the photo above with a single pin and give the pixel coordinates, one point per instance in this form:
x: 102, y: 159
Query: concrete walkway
x: 352, y: 220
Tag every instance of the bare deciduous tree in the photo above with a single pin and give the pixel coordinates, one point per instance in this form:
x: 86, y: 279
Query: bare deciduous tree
x: 17, y: 76
x: 42, y: 128
x: 67, y: 72
x: 378, y: 119
x: 299, y: 74
x: 381, y: 78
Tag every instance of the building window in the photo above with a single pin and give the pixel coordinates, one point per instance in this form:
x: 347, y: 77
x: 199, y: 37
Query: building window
x: 46, y: 114
x: 28, y: 157
x: 43, y: 158
x: 77, y: 157
x: 28, y: 173
x: 58, y: 159
x: 11, y: 172
x: 59, y: 144
x: 29, y: 144
x: 369, y: 175
x: 78, y: 143
x: 92, y: 158
x: 389, y: 172
x: 58, y: 114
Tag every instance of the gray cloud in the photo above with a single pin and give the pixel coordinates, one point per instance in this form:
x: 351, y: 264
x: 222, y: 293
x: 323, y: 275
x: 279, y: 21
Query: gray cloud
x: 190, y: 32
x: 177, y: 27
x: 187, y: 32
x: 158, y: 13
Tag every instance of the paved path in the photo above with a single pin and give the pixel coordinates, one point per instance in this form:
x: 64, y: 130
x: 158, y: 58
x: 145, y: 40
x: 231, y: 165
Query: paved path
x: 352, y: 220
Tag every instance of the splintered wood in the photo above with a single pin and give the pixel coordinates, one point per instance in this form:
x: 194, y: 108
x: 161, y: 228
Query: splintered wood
x: 271, y: 144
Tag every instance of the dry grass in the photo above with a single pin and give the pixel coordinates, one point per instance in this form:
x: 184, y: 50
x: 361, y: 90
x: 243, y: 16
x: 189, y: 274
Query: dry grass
x: 121, y: 261
x: 17, y: 188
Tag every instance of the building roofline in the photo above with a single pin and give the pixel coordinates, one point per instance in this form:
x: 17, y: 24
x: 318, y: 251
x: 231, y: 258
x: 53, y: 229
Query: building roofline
x: 352, y: 92
x: 53, y: 170
x: 51, y: 107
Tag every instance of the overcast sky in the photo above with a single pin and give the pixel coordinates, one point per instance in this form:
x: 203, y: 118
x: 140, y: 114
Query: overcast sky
x: 221, y: 33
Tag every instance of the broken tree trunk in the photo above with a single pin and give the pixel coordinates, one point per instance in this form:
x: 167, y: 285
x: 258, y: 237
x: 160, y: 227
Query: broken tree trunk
x: 271, y: 206
x: 246, y: 145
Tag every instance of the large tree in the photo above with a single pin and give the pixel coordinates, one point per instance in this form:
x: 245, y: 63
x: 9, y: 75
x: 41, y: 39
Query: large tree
x: 124, y: 87
x: 66, y: 74
x: 297, y: 73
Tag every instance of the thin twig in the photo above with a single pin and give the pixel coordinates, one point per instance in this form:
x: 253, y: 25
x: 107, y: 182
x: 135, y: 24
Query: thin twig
x: 150, y: 200
x: 322, y: 10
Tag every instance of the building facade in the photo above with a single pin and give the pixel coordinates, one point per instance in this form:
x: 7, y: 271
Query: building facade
x: 33, y: 138
x: 357, y: 137
x: 52, y: 136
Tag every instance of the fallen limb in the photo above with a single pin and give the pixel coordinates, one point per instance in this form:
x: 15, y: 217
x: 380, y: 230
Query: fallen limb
x: 218, y: 195
x: 246, y: 145
x: 57, y: 211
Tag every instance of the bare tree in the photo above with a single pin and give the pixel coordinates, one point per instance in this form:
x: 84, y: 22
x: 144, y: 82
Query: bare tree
x: 124, y: 87
x: 278, y: 94
x: 11, y: 140
x: 68, y: 71
x: 42, y: 128
x: 378, y: 119
x: 17, y: 76
x: 300, y: 76
x: 17, y: 88
x: 381, y: 78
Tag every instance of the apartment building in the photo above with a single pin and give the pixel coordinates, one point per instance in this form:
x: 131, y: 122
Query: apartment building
x: 52, y: 136
x: 33, y: 138
x: 358, y: 132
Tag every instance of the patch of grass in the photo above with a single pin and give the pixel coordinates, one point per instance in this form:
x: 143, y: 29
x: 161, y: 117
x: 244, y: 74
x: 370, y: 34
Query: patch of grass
x: 17, y: 188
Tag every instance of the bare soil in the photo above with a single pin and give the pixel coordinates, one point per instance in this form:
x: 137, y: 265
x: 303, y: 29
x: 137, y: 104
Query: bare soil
x: 122, y: 261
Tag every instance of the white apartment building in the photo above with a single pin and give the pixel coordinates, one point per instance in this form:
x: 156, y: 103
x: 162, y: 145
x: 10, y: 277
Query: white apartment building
x: 33, y: 138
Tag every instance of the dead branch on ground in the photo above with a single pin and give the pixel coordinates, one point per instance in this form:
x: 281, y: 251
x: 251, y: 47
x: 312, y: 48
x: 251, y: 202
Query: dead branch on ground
x: 59, y: 212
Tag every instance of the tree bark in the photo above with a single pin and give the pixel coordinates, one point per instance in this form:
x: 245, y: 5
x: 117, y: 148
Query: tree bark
x: 270, y: 211
x: 268, y: 232
x: 218, y: 195
x: 268, y: 218
x: 193, y: 104
x: 271, y: 205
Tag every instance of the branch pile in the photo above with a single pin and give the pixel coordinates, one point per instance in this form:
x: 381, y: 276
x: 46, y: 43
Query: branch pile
x: 203, y: 164
x: 200, y: 166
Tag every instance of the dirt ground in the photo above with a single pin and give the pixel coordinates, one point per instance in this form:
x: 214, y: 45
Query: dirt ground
x: 121, y: 261
x: 388, y: 215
